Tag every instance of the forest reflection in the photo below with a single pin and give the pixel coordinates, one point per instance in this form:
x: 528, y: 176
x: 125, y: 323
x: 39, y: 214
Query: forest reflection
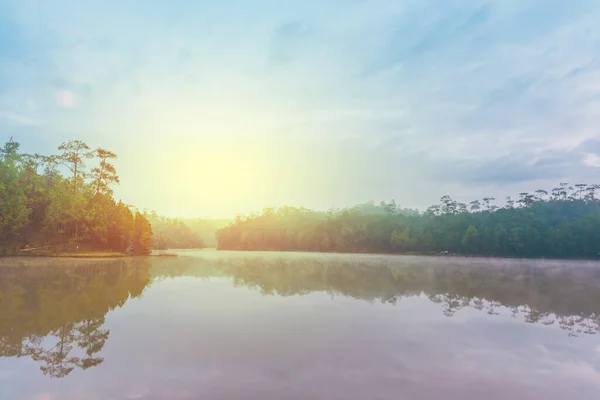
x: 55, y: 313
x: 564, y: 294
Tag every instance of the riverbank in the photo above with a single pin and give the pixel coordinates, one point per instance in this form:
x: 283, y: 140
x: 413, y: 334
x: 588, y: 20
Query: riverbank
x: 85, y: 255
x: 442, y: 254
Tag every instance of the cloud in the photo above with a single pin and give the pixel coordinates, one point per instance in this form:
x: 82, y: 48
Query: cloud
x: 592, y: 160
x: 13, y: 118
x: 66, y: 99
x: 521, y: 167
x: 418, y: 98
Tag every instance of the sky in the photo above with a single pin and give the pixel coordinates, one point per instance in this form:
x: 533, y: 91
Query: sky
x: 218, y: 108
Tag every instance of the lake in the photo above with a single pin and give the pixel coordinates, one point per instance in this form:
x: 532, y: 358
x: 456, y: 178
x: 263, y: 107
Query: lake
x: 238, y: 325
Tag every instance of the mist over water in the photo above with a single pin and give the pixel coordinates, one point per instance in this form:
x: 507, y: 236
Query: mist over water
x: 262, y: 325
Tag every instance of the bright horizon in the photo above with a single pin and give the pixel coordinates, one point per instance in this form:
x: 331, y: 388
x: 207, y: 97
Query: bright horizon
x: 215, y: 110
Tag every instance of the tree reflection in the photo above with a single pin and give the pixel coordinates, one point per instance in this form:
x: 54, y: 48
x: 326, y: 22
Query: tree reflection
x: 55, y: 313
x: 566, y: 296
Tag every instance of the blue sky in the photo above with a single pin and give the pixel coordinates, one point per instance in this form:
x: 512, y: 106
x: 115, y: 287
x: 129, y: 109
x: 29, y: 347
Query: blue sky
x: 223, y: 107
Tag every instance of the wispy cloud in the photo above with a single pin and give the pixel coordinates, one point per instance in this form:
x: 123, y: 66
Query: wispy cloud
x: 418, y: 98
x: 13, y: 118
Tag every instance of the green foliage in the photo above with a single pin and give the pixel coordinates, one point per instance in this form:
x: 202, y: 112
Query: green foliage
x: 105, y: 174
x: 142, y: 235
x: 41, y: 207
x: 14, y: 212
x: 470, y: 240
x: 565, y: 224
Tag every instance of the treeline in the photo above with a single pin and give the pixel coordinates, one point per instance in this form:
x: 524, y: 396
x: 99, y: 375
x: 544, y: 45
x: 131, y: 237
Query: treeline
x: 184, y: 233
x: 39, y: 206
x: 562, y: 223
x: 172, y: 233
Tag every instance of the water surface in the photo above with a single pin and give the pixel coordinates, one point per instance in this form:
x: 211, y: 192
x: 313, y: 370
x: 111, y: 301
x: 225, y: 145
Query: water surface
x: 235, y: 325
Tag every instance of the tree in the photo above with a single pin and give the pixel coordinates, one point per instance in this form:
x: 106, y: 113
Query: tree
x: 470, y: 240
x: 516, y: 240
x: 433, y: 210
x: 526, y: 199
x: 561, y: 192
x: 475, y: 205
x: 57, y: 215
x: 488, y: 203
x: 500, y: 239
x: 510, y: 203
x: 142, y: 235
x: 591, y: 193
x: 10, y: 153
x: 539, y: 227
x: 73, y: 155
x: 580, y: 191
x: 41, y: 208
x: 121, y: 228
x: 541, y: 194
x: 400, y: 241
x: 105, y: 174
x: 390, y: 208
x: 448, y: 205
x: 14, y: 212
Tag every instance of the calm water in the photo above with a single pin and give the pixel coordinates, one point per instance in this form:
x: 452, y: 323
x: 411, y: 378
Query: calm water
x: 221, y: 325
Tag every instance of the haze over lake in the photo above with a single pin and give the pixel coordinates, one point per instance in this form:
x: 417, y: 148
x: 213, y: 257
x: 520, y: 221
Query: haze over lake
x: 239, y: 325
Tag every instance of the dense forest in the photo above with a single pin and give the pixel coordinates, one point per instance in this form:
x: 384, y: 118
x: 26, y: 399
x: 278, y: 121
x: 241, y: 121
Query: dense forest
x: 562, y: 223
x: 39, y: 206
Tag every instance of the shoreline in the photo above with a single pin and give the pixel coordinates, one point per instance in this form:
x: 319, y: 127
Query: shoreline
x: 412, y: 254
x: 115, y: 256
x: 86, y: 255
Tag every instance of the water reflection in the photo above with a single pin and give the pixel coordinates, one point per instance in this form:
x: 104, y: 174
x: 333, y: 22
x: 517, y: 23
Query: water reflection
x: 54, y: 313
x: 564, y: 294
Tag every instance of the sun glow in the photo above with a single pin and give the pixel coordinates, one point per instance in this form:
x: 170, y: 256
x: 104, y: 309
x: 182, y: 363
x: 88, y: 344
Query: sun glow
x: 218, y: 178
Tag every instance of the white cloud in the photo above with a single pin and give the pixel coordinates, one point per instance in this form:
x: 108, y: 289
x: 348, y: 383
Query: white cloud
x: 592, y: 160
x: 66, y: 99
